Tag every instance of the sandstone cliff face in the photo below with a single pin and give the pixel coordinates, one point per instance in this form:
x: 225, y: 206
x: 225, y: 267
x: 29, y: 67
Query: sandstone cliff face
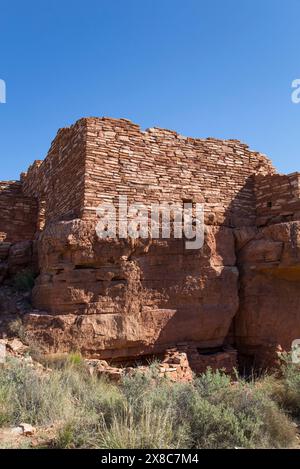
x: 119, y: 298
x: 269, y: 312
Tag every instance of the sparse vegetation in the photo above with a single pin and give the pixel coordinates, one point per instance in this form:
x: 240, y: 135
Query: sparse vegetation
x: 17, y: 328
x: 284, y: 388
x: 148, y: 411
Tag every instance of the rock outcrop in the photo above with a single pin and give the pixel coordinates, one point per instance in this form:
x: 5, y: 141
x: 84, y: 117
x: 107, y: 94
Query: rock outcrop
x: 125, y: 298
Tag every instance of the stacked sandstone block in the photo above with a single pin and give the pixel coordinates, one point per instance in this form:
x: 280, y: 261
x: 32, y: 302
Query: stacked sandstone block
x: 199, y: 359
x: 160, y: 165
x: 58, y: 181
x: 174, y: 366
x: 277, y: 198
x: 17, y: 214
x: 98, y: 159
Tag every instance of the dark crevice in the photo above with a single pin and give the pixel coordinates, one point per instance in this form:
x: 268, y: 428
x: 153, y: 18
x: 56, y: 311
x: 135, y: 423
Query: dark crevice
x: 210, y: 351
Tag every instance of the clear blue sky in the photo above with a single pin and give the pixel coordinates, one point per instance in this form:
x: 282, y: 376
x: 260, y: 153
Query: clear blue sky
x: 220, y: 68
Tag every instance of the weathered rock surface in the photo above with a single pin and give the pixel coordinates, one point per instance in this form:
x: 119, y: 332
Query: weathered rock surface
x: 269, y: 313
x: 120, y: 298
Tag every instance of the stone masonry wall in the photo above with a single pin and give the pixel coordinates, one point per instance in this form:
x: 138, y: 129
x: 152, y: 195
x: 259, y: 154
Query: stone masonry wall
x: 58, y: 181
x: 162, y: 166
x: 277, y: 198
x: 18, y: 214
x: 98, y: 159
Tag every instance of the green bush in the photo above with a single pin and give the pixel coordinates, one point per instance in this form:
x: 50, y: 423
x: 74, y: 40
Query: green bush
x: 212, y: 383
x: 75, y: 358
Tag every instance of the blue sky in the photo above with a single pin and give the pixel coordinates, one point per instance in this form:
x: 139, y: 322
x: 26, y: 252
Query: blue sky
x: 219, y: 68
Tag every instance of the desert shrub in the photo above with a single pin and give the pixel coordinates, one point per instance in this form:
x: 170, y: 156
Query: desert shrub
x: 145, y: 411
x: 267, y: 426
x: 61, y: 361
x: 6, y: 409
x: 75, y: 358
x: 212, y: 383
x: 287, y: 389
x: 34, y: 399
x: 16, y: 327
x: 80, y: 431
x: 284, y: 386
x: 135, y: 385
x: 60, y: 395
x: 212, y: 412
x: 217, y: 426
x: 209, y: 422
x: 153, y: 429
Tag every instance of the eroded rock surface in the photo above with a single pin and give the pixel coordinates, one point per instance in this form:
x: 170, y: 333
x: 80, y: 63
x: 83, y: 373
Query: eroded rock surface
x: 121, y: 298
x: 269, y: 313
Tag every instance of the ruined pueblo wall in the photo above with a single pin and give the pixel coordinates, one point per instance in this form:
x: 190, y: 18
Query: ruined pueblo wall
x: 18, y: 214
x: 162, y: 166
x: 118, y: 298
x: 98, y: 159
x: 58, y: 181
x: 277, y: 198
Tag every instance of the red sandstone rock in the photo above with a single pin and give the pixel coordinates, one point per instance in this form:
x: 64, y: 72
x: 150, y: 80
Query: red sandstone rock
x: 269, y: 313
x: 20, y: 256
x: 18, y: 214
x: 120, y: 298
